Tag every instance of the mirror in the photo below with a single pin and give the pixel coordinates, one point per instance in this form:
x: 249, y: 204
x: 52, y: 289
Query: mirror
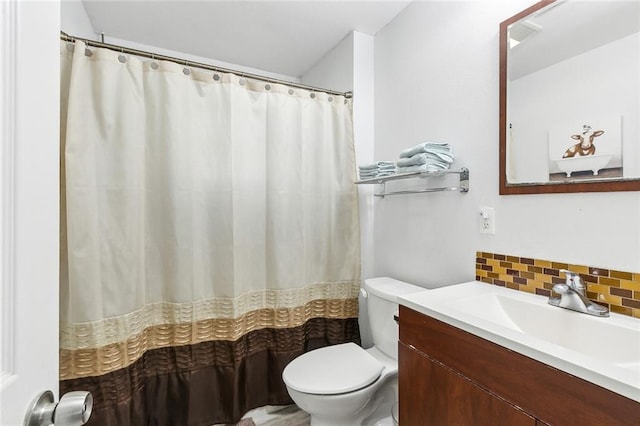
x: 570, y: 98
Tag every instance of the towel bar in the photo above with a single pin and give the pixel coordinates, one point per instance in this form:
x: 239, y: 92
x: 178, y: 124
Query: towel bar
x: 462, y: 187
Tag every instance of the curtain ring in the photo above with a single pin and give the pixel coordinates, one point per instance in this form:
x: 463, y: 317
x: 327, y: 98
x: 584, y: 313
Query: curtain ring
x: 186, y: 70
x: 154, y: 64
x: 121, y: 57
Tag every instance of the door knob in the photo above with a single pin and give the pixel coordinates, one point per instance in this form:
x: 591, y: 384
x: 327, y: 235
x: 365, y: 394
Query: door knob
x: 73, y: 409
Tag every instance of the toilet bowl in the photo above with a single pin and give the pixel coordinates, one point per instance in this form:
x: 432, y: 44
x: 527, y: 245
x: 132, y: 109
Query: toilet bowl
x: 346, y: 385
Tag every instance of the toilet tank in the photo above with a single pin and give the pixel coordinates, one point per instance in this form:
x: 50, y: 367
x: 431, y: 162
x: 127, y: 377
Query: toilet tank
x: 382, y: 305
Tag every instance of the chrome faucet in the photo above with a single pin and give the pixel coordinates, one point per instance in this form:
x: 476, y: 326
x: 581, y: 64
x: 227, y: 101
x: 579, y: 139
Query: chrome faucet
x: 573, y: 296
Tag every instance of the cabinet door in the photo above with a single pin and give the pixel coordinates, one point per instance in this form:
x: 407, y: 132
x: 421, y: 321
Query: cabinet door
x: 432, y: 394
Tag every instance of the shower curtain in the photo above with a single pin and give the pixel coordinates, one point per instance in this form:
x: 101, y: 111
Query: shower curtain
x: 209, y: 236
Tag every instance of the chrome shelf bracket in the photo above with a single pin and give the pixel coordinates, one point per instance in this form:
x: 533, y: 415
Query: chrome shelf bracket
x: 463, y: 185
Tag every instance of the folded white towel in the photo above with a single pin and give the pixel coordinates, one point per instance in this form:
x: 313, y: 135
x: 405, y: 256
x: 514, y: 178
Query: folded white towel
x: 377, y: 165
x: 369, y: 170
x: 422, y: 168
x: 433, y: 147
x: 368, y: 175
x: 386, y: 168
x: 368, y: 167
x: 424, y: 158
x: 377, y: 175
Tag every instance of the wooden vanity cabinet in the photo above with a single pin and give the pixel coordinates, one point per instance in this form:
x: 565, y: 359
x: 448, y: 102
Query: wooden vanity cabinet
x: 457, y: 400
x: 449, y: 377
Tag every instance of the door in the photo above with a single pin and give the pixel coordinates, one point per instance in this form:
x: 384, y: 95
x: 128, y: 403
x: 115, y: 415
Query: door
x: 29, y: 209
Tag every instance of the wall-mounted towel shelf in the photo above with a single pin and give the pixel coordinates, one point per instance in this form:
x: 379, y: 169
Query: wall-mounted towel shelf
x: 463, y: 186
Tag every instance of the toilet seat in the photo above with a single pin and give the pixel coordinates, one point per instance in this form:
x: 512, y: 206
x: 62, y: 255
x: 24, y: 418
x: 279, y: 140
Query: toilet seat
x: 332, y: 370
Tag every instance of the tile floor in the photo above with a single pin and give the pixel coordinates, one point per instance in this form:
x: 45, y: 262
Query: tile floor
x: 287, y: 415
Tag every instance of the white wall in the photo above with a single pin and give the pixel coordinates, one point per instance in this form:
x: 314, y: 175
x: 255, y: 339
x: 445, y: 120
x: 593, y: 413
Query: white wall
x: 75, y: 21
x: 436, y: 77
x: 363, y: 117
x: 349, y: 67
x: 335, y: 70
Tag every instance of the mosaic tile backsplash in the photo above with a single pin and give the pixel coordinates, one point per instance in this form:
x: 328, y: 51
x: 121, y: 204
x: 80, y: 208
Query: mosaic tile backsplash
x: 617, y: 290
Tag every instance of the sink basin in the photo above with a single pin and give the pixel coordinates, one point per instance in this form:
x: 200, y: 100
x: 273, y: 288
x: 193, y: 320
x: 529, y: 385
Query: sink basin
x: 605, y: 351
x: 588, y: 335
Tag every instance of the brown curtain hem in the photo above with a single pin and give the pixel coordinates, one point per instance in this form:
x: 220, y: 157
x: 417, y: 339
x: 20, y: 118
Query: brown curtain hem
x: 210, y: 382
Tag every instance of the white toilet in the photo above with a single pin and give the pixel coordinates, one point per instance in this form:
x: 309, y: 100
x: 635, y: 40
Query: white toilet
x: 345, y: 385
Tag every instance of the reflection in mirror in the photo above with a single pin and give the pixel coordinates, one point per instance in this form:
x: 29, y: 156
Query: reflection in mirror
x: 570, y: 97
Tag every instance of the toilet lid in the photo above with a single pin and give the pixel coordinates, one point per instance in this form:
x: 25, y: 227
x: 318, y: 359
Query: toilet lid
x: 332, y: 370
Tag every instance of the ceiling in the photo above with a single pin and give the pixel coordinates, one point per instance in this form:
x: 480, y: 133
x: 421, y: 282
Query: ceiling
x: 284, y: 37
x: 569, y: 28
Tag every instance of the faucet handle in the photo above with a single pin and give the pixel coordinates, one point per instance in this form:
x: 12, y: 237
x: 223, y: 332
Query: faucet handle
x: 574, y: 281
x: 568, y: 273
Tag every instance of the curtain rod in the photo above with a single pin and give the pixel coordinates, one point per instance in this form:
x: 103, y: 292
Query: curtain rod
x: 66, y: 37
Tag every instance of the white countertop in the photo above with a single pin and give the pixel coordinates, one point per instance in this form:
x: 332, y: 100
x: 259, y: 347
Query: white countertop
x: 604, y: 351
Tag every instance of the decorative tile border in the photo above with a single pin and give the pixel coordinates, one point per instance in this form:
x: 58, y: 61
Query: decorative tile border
x: 617, y: 290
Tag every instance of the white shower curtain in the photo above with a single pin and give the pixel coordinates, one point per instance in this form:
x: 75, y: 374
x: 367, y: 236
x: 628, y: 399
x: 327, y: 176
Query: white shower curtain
x: 198, y: 207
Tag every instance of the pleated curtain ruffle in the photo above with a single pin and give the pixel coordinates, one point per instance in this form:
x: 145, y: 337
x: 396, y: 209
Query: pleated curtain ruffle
x: 209, y: 235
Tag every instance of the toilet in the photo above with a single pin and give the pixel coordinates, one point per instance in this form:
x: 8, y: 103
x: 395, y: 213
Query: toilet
x: 345, y: 385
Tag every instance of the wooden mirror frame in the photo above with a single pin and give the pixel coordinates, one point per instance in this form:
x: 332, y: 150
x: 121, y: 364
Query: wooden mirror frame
x: 629, y: 184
